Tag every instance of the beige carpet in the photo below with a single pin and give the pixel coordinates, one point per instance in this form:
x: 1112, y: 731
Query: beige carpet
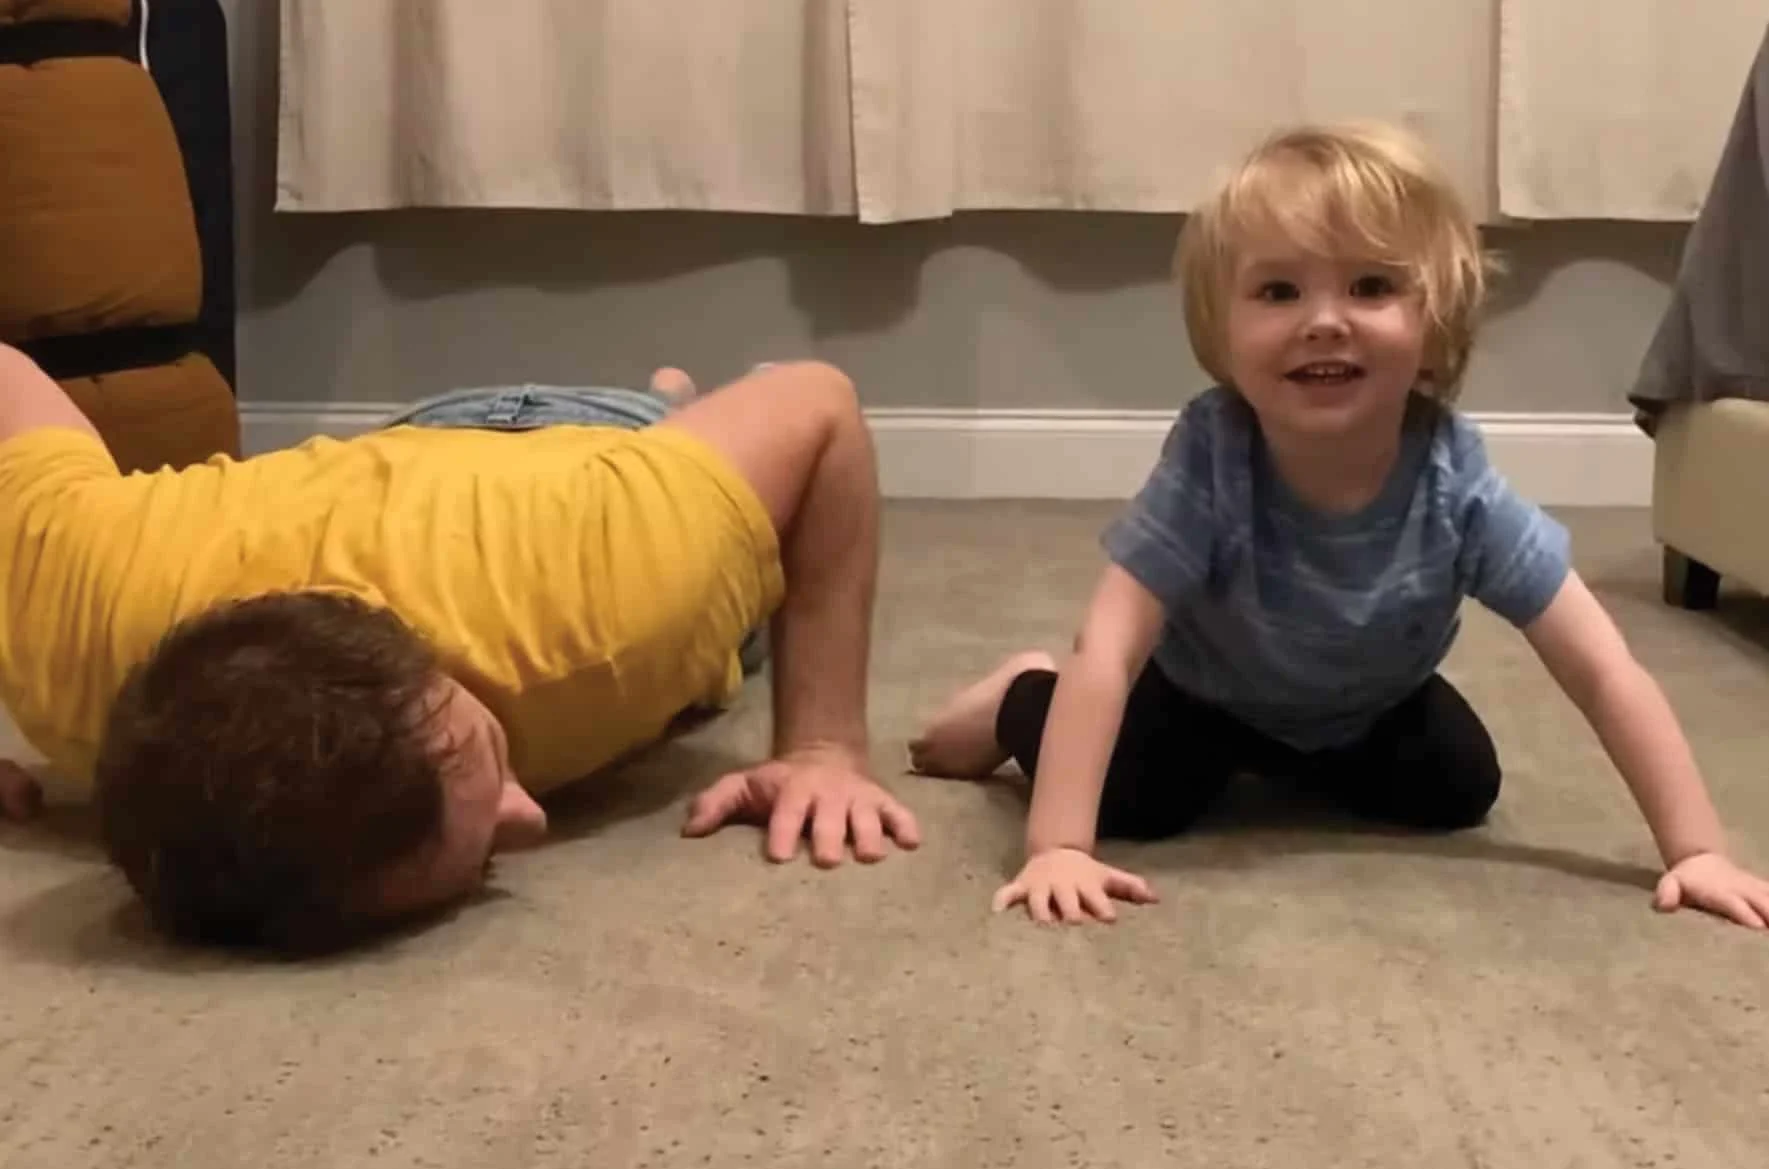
x: 1307, y: 994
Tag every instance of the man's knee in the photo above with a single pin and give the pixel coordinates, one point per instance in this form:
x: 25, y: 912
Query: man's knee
x: 818, y: 388
x: 782, y: 428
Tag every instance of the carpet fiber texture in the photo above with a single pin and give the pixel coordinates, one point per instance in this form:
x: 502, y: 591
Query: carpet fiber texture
x: 1308, y: 992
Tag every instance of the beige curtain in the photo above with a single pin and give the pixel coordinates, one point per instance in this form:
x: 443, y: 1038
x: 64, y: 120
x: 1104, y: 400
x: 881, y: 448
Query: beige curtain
x: 1134, y: 105
x: 1618, y: 109
x: 591, y: 104
x: 909, y: 109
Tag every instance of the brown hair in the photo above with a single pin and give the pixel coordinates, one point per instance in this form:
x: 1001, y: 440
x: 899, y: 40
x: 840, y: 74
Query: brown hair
x: 267, y: 762
x: 1369, y: 191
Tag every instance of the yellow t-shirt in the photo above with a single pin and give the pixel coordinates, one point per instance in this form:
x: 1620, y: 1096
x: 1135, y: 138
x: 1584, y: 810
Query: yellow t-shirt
x: 588, y: 583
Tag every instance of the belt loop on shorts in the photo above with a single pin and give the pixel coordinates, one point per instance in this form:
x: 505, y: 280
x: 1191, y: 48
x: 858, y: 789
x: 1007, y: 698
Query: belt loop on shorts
x: 506, y: 408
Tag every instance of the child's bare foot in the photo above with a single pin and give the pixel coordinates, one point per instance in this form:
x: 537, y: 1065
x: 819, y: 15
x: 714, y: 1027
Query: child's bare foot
x: 677, y: 386
x: 21, y: 797
x: 960, y: 741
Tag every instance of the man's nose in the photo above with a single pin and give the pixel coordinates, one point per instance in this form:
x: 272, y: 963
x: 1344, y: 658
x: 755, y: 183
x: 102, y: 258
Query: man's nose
x: 522, y: 823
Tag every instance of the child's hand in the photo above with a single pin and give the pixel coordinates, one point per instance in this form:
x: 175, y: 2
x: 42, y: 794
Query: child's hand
x: 1068, y: 885
x: 1709, y: 881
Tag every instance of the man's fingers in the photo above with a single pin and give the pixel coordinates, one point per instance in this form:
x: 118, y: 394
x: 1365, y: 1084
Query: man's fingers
x: 787, y: 825
x: 869, y: 843
x: 716, y: 805
x: 794, y: 803
x: 901, y: 823
x: 829, y: 828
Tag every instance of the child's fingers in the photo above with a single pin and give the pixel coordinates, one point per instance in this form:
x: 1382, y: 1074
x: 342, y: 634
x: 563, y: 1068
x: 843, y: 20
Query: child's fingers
x: 1008, y: 895
x: 1669, y: 894
x: 1129, y: 887
x: 1739, y: 910
x: 1068, y: 903
x: 1724, y: 900
x: 1759, y: 899
x: 1099, y: 902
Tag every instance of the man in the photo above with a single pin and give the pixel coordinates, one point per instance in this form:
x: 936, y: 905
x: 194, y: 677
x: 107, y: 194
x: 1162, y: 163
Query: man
x: 315, y: 690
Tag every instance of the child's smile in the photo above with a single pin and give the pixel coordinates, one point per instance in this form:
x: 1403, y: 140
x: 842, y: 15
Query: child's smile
x: 1326, y: 373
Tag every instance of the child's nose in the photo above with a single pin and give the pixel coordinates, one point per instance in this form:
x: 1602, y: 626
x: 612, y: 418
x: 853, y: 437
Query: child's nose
x: 1326, y: 317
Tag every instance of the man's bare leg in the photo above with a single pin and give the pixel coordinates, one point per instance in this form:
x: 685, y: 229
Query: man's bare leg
x: 797, y: 434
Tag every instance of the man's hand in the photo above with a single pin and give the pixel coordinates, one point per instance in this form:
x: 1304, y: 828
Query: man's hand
x: 828, y: 793
x: 21, y: 797
x: 1709, y: 881
x: 1066, y: 884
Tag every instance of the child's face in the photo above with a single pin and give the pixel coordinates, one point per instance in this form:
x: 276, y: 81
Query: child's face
x: 1322, y: 347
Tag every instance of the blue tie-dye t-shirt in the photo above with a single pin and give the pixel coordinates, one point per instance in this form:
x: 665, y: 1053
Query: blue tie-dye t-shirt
x: 1308, y: 626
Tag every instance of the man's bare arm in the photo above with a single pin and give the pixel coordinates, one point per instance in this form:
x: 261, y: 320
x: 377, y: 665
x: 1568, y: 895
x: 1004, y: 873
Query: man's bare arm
x: 30, y: 400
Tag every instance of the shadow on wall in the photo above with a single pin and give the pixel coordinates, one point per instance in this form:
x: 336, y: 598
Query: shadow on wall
x: 845, y: 277
x: 1530, y: 254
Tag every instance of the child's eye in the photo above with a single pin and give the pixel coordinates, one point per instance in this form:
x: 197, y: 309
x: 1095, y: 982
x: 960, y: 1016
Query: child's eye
x: 1278, y: 290
x: 1372, y: 287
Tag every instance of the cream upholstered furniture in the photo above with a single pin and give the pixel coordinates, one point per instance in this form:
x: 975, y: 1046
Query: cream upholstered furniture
x: 1710, y: 497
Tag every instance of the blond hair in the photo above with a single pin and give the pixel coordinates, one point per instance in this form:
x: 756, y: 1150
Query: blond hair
x: 1365, y: 191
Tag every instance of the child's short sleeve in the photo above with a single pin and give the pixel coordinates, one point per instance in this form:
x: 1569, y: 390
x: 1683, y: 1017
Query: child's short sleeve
x: 1514, y: 556
x: 1164, y: 538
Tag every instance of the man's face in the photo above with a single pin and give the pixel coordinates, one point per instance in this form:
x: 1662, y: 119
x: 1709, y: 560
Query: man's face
x: 485, y: 810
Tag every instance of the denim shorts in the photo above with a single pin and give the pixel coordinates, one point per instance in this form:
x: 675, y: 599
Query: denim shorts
x: 530, y: 407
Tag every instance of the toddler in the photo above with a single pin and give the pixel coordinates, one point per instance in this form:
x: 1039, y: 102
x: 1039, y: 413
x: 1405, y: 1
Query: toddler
x: 1282, y: 590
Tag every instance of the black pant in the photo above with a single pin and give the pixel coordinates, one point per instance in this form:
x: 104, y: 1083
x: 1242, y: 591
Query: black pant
x: 1429, y: 763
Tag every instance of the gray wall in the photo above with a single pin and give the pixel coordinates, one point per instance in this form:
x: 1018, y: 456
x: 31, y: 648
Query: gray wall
x: 983, y: 311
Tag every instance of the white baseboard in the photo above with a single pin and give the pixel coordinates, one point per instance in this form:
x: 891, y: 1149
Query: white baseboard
x: 1559, y: 460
